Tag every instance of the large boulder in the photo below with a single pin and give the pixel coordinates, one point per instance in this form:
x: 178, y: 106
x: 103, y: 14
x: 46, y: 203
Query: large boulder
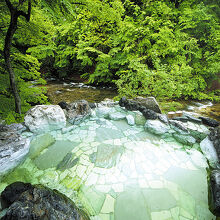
x: 210, y: 122
x: 43, y: 118
x: 214, y: 136
x: 78, y: 111
x: 156, y: 127
x: 149, y: 103
x: 209, y: 151
x: 214, y: 192
x: 26, y: 201
x: 13, y: 147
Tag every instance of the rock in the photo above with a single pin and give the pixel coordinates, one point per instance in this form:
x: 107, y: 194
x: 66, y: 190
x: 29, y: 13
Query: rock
x: 108, y: 103
x: 123, y: 101
x: 103, y: 112
x: 139, y: 118
x: 214, y: 192
x: 92, y: 105
x: 193, y: 119
x: 13, y: 148
x: 39, y: 143
x: 149, y: 103
x: 69, y: 161
x: 178, y: 126
x: 163, y: 118
x: 20, y: 127
x: 132, y: 105
x: 209, y: 151
x: 214, y: 136
x: 182, y: 119
x: 63, y: 105
x: 184, y: 139
x: 130, y: 120
x: 108, y: 156
x: 117, y: 116
x: 43, y: 118
x: 78, y: 111
x: 149, y: 114
x: 25, y: 201
x: 156, y: 127
x: 210, y: 122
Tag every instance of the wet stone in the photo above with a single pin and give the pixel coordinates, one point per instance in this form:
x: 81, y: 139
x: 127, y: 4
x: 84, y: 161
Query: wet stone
x: 108, y: 155
x: 69, y: 161
x: 54, y: 154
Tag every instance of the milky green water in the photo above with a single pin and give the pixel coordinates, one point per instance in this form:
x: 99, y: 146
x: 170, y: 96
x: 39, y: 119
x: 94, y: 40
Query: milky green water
x: 119, y: 172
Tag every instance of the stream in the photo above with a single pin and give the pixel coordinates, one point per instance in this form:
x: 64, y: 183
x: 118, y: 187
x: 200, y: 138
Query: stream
x: 70, y: 92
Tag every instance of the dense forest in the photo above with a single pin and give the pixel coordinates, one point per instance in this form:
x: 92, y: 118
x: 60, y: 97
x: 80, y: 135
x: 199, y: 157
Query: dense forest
x: 169, y: 49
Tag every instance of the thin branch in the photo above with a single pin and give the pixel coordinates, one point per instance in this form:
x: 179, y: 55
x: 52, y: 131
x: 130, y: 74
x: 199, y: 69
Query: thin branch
x: 26, y: 15
x: 10, y: 6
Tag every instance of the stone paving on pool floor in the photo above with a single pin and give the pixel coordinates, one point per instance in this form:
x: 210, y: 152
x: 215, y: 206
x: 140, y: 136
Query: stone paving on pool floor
x: 120, y: 172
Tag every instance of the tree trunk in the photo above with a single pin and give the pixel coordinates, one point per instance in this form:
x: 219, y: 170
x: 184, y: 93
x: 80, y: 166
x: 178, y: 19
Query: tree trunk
x: 8, y: 41
x: 15, y: 13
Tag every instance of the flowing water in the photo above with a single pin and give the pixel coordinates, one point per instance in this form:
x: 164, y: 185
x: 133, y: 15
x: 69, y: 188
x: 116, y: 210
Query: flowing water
x: 119, y: 172
x: 70, y: 92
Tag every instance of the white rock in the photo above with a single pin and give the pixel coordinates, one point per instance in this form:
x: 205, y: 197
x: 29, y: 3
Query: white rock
x: 103, y: 111
x: 156, y: 127
x: 130, y: 119
x: 116, y: 116
x: 209, y: 151
x: 43, y: 118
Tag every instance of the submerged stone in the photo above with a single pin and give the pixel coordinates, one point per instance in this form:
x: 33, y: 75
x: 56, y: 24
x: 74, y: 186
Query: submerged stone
x: 108, y: 155
x: 185, y: 139
x: 54, y: 154
x: 69, y: 161
x: 131, y: 205
x: 117, y: 116
x: 39, y: 143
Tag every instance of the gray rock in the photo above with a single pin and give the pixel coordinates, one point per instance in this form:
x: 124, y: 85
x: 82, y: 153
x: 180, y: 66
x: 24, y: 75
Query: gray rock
x: 163, y: 118
x: 209, y: 151
x: 149, y: 103
x: 78, y: 111
x: 214, y: 192
x: 149, y: 114
x: 130, y: 120
x: 25, y: 201
x: 215, y: 138
x: 103, y: 111
x: 156, y: 127
x: 13, y: 149
x: 210, y: 122
x: 69, y: 161
x: 184, y: 139
x: 192, y: 118
x: 117, y: 116
x: 43, y: 118
x: 178, y: 126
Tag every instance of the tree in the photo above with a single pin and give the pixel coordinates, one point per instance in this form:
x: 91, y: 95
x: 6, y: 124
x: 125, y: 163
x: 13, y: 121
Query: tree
x: 15, y: 13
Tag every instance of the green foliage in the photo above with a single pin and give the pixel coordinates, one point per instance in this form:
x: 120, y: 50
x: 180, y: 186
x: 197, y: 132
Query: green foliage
x: 144, y: 47
x: 149, y: 48
x: 25, y: 56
